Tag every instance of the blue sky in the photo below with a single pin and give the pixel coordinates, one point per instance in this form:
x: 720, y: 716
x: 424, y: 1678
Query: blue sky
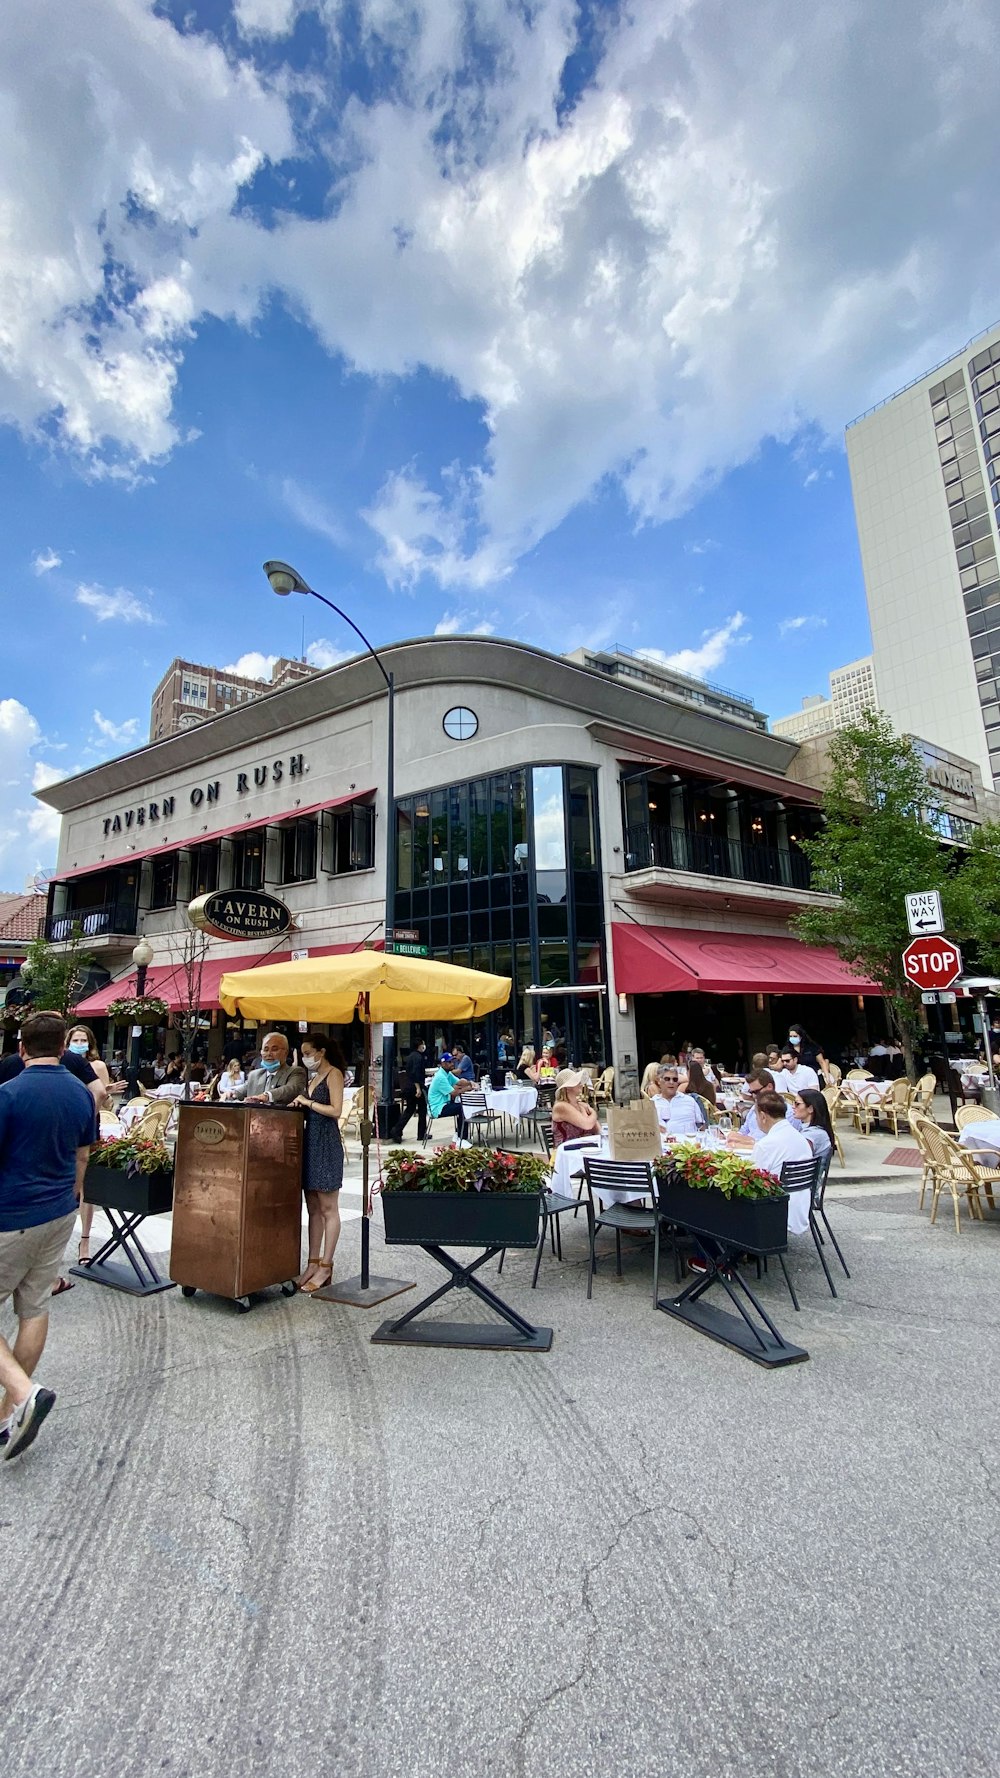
x: 540, y: 319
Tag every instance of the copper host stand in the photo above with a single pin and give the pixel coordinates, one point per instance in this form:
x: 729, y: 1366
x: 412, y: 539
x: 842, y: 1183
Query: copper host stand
x: 237, y: 1225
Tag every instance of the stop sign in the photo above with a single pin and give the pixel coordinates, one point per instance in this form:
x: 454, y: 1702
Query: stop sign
x: 932, y: 962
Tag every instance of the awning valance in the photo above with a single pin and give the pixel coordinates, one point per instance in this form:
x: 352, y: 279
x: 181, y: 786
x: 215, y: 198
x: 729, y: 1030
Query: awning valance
x: 679, y: 960
x: 138, y: 853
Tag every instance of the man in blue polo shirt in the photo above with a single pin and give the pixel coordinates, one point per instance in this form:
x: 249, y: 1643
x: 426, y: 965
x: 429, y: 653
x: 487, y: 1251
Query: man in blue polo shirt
x: 47, y: 1126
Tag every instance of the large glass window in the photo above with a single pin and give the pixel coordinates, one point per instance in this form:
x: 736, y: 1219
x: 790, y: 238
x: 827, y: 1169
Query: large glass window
x: 248, y: 859
x: 549, y: 833
x: 298, y: 851
x: 350, y: 842
x: 164, y: 886
x: 204, y: 869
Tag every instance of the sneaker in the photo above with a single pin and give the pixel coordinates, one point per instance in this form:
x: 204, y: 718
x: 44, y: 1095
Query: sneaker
x: 26, y: 1421
x: 5, y: 1426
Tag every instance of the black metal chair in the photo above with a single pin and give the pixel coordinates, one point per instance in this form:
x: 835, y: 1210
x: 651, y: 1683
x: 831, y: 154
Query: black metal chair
x: 636, y: 1178
x: 479, y: 1119
x: 554, y: 1205
x: 811, y: 1176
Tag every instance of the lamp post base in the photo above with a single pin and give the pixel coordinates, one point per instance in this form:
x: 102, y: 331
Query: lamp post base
x: 351, y: 1291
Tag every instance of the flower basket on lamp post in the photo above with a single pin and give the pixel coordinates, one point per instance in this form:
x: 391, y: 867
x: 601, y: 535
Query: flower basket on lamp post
x: 138, y: 1009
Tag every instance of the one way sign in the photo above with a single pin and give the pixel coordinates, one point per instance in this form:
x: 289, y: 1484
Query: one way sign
x: 923, y: 913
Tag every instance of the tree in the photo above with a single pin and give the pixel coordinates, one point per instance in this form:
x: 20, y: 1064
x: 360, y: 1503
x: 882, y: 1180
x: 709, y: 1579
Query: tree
x: 877, y: 845
x: 973, y: 899
x: 55, y: 974
x: 193, y: 947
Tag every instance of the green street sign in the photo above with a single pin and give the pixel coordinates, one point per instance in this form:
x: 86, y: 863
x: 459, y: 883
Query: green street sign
x: 408, y: 950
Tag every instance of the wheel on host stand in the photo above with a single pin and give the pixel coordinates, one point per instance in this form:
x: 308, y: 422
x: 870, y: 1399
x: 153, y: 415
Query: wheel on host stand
x: 243, y: 1305
x: 187, y: 1290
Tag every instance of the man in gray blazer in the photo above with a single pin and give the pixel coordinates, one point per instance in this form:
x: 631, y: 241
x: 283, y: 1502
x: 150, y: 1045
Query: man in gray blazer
x: 276, y: 1081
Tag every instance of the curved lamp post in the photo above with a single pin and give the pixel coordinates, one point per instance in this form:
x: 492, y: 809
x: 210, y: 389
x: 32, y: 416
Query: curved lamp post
x: 284, y: 580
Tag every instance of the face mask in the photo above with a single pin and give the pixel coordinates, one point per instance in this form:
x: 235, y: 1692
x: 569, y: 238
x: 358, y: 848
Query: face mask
x: 79, y: 1049
x: 270, y: 1067
x: 310, y: 1063
x: 796, y: 1040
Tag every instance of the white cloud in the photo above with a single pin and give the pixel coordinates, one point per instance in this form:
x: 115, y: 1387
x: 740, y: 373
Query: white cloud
x: 461, y: 623
x: 701, y: 547
x: 119, y: 734
x: 790, y: 625
x: 253, y: 665
x: 27, y: 832
x: 710, y: 654
x: 323, y: 654
x: 44, y: 560
x: 313, y: 513
x: 640, y: 286
x: 119, y: 606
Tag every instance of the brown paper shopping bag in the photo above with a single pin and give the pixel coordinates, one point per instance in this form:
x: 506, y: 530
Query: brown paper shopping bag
x: 634, y: 1131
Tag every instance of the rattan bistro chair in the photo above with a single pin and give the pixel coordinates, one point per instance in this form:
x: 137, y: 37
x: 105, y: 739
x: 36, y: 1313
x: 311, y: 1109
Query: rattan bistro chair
x: 898, y: 1103
x: 974, y: 1114
x: 948, y: 1165
x: 636, y: 1178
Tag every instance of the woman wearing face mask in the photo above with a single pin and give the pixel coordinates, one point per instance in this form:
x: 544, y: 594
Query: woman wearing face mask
x: 323, y: 1157
x: 80, y: 1042
x: 804, y: 1046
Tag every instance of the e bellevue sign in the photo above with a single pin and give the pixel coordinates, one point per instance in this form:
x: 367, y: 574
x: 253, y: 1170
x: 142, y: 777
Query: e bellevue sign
x: 240, y: 914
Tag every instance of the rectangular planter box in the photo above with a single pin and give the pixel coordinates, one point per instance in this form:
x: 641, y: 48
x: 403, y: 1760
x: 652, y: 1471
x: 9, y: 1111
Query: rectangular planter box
x: 152, y: 1194
x: 461, y: 1219
x: 758, y: 1225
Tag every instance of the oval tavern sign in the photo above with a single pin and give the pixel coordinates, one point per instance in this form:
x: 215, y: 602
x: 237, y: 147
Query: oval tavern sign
x: 240, y: 914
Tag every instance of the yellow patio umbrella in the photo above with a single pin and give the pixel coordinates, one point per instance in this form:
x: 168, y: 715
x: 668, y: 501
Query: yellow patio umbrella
x: 381, y: 988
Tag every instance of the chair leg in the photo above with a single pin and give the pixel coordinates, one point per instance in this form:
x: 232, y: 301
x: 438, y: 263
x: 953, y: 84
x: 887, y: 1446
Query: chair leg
x: 814, y: 1231
x: 592, y: 1267
x: 618, y: 1252
x: 656, y: 1261
x: 836, y: 1247
x: 558, y: 1227
x: 538, y: 1256
x: 503, y: 1253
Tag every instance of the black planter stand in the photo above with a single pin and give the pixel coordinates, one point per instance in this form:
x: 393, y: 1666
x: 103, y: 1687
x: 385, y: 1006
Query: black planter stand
x: 517, y: 1336
x: 751, y: 1331
x: 489, y: 1220
x: 126, y: 1199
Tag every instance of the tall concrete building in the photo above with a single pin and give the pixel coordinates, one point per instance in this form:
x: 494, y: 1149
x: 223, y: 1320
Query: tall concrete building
x: 852, y: 690
x: 189, y: 693
x: 925, y: 470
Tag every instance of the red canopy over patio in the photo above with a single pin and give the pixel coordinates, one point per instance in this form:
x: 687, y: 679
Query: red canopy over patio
x: 679, y: 959
x: 167, y: 980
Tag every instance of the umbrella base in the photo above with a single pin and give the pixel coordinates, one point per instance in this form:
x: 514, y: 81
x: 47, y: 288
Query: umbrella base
x: 378, y: 1290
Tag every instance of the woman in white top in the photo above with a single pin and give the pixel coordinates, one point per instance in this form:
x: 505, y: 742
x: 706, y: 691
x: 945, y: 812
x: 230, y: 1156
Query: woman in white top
x: 231, y: 1077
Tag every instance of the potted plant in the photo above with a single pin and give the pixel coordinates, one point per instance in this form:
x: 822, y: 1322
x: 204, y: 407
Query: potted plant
x: 138, y: 1009
x: 718, y: 1193
x: 131, y: 1173
x: 462, y: 1197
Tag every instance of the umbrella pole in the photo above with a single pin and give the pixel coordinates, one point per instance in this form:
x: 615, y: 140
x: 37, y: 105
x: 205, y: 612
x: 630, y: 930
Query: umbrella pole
x: 364, y: 1292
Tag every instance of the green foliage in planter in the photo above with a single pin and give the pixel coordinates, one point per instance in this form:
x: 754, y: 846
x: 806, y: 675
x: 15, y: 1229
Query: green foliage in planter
x: 732, y: 1174
x: 464, y: 1170
x: 138, y: 1009
x: 144, y: 1154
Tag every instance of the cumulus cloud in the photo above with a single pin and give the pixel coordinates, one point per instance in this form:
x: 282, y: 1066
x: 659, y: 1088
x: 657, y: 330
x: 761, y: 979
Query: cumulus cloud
x: 44, y: 560
x: 715, y: 645
x: 117, y: 734
x: 117, y: 606
x: 462, y: 623
x: 790, y: 625
x: 639, y: 282
x: 28, y: 832
x: 253, y: 665
x: 323, y: 654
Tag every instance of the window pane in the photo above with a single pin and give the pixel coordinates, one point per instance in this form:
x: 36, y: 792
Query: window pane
x: 458, y: 832
x: 439, y: 836
x: 582, y: 791
x: 499, y: 826
x: 519, y: 820
x: 404, y: 846
x: 421, y: 842
x: 479, y: 828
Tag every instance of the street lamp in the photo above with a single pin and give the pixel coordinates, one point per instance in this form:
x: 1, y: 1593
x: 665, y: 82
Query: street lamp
x: 142, y: 957
x: 284, y: 580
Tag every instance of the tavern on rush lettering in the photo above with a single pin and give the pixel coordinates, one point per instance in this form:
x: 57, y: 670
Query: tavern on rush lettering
x: 272, y: 772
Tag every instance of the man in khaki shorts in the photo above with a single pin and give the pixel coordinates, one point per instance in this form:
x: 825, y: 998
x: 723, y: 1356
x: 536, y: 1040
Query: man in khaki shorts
x: 47, y: 1126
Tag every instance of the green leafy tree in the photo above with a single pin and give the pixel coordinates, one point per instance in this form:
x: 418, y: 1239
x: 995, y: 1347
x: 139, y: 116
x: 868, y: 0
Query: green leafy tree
x: 972, y: 907
x: 55, y: 973
x: 877, y: 845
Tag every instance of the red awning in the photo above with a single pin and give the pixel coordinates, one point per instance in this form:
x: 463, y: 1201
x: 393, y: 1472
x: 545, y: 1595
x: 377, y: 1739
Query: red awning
x: 205, y: 839
x: 167, y: 981
x: 683, y: 960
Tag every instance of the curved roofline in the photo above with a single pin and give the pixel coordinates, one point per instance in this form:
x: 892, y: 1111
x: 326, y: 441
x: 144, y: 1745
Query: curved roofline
x: 420, y: 661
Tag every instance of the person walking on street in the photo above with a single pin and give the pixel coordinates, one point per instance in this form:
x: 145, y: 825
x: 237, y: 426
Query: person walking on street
x: 47, y: 1127
x: 414, y: 1095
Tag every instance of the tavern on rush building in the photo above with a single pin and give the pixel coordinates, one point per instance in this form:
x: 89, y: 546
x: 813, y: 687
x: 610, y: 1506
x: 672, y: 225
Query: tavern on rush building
x: 628, y: 853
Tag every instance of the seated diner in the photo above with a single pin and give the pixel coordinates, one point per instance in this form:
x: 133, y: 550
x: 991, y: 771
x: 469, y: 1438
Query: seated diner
x: 571, y: 1115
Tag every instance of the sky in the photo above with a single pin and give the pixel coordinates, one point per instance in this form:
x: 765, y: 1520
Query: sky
x: 522, y: 317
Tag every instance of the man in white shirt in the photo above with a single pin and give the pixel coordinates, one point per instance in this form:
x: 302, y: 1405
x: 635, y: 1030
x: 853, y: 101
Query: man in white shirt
x: 794, y: 1075
x: 759, y: 1080
x: 782, y: 1142
x: 679, y: 1113
x: 706, y: 1066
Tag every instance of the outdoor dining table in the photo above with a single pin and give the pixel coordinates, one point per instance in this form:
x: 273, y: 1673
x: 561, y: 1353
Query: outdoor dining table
x: 512, y: 1102
x: 982, y: 1138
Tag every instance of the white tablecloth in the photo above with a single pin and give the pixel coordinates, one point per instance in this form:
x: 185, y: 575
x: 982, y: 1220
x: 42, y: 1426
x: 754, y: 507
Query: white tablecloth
x: 872, y: 1092
x: 984, y: 1137
x: 512, y: 1102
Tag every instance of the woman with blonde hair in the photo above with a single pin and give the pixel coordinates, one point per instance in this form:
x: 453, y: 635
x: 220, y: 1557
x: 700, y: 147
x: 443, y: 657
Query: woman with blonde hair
x: 648, y: 1084
x: 527, y: 1068
x: 231, y: 1077
x: 80, y: 1042
x: 571, y: 1116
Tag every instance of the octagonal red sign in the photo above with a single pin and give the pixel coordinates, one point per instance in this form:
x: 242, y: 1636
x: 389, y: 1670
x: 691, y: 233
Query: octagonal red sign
x: 932, y: 963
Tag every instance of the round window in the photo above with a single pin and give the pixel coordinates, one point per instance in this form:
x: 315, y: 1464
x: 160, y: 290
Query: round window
x: 460, y: 724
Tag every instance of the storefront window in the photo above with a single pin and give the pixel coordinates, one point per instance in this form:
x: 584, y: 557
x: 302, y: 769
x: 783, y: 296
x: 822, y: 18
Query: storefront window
x: 248, y: 860
x: 204, y: 869
x: 549, y: 822
x: 164, y: 886
x: 479, y: 846
x: 298, y: 852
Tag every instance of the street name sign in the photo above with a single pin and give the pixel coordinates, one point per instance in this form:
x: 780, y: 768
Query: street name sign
x: 407, y: 950
x: 932, y: 963
x: 923, y: 913
x: 942, y: 999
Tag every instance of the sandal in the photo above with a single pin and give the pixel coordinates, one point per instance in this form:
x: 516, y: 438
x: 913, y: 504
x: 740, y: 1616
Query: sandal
x: 315, y: 1259
x: 60, y: 1285
x: 83, y: 1259
x: 318, y: 1283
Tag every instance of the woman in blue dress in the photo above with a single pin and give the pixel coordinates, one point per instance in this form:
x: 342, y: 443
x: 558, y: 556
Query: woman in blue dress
x: 323, y: 1154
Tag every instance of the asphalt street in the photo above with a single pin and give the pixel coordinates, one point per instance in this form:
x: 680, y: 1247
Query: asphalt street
x: 260, y: 1544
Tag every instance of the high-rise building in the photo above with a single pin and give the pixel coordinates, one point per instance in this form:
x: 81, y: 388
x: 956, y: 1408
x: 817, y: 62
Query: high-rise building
x: 188, y: 693
x: 852, y: 690
x: 925, y: 469
x: 646, y: 670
